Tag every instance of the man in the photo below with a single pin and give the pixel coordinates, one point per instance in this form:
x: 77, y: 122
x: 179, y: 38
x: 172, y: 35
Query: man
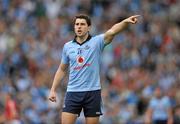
x: 82, y: 57
x: 159, y: 110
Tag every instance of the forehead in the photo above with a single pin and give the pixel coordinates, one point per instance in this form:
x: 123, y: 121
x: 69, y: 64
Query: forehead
x: 78, y: 20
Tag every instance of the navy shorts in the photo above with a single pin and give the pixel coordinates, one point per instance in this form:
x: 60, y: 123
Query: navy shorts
x: 89, y: 101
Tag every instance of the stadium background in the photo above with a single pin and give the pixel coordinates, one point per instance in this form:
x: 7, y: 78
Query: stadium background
x: 146, y: 55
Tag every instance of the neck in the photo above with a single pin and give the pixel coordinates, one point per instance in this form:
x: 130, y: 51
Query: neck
x: 81, y: 39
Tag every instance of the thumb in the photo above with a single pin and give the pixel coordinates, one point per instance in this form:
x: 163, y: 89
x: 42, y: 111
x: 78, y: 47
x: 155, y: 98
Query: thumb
x: 52, y: 99
x: 133, y: 21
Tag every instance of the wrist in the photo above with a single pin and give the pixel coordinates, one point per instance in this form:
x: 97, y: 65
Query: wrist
x: 125, y: 21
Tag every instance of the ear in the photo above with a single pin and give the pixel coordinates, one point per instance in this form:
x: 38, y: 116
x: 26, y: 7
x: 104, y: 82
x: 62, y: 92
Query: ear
x: 89, y: 28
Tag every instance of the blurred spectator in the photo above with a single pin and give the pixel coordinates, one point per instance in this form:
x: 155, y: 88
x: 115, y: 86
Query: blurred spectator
x: 11, y: 110
x: 159, y: 110
x: 177, y: 115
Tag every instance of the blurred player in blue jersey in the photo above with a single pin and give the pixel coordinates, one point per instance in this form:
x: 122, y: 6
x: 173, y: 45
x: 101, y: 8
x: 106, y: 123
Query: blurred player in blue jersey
x: 81, y: 57
x: 160, y: 109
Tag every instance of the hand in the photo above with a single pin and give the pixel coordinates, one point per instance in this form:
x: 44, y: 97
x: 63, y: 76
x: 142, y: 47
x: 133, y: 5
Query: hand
x: 52, y: 96
x: 132, y: 19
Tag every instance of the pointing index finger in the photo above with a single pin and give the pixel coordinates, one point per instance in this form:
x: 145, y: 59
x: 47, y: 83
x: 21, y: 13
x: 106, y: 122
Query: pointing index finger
x: 135, y: 16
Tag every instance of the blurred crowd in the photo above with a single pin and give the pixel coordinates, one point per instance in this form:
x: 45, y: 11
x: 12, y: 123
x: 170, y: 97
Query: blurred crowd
x: 140, y: 59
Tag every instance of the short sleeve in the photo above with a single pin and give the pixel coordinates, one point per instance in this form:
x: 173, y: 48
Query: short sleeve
x: 64, y: 57
x: 100, y: 41
x: 167, y: 102
x: 152, y: 103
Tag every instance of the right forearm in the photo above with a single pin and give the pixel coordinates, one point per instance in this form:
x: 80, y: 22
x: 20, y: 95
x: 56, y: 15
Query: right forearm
x: 147, y: 119
x: 148, y: 116
x: 60, y: 73
x: 57, y: 78
x: 170, y: 116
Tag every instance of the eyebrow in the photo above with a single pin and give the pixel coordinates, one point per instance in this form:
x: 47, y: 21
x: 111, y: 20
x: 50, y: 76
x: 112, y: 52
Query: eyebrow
x: 80, y: 23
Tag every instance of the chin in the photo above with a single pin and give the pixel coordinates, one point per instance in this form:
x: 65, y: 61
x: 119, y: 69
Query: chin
x: 80, y: 35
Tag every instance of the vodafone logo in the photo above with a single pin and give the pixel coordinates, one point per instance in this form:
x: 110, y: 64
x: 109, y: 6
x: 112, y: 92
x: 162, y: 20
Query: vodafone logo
x: 80, y: 60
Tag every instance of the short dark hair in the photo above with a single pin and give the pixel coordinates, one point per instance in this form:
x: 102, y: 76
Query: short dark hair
x: 83, y: 16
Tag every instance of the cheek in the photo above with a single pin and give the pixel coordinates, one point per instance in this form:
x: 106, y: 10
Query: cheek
x: 85, y: 29
x: 75, y: 30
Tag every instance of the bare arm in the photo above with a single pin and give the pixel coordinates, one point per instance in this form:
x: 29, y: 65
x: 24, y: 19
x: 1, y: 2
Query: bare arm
x: 60, y: 73
x: 148, y: 116
x: 117, y: 28
x: 170, y: 116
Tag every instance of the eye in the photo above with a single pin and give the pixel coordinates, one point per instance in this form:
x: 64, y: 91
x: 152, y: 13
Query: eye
x: 83, y: 24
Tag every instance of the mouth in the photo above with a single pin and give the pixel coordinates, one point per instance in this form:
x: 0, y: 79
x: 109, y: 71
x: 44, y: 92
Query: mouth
x: 79, y: 31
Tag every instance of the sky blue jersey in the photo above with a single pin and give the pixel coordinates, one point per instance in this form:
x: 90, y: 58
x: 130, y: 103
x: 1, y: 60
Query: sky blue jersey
x: 160, y: 107
x: 84, y: 63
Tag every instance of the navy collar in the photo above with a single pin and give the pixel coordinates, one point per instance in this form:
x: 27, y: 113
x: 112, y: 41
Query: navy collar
x: 88, y: 38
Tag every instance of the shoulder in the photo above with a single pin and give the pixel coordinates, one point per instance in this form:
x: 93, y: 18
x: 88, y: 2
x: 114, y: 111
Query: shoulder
x: 68, y: 44
x: 98, y: 39
x: 153, y: 100
x: 98, y: 36
x: 166, y: 99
